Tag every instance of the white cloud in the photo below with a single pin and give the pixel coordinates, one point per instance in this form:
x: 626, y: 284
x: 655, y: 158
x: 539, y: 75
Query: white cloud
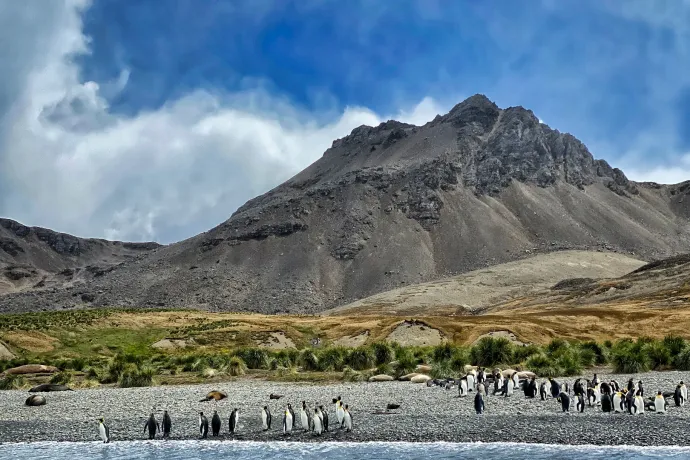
x: 163, y: 174
x: 663, y: 174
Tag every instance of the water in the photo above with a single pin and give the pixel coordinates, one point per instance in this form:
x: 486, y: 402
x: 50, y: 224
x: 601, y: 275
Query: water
x: 192, y: 450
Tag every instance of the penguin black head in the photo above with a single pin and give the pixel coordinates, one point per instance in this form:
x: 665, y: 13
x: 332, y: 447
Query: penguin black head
x: 346, y: 406
x: 201, y: 413
x: 659, y: 393
x: 289, y: 406
x: 321, y: 407
x: 165, y: 411
x: 102, y: 420
x: 265, y: 407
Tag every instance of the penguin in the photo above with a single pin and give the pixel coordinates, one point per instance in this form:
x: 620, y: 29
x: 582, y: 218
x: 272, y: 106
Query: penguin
x: 292, y: 412
x: 578, y: 388
x: 471, y: 381
x: 618, y: 402
x: 287, y: 422
x: 152, y: 425
x: 203, y: 425
x: 678, y: 396
x: 565, y: 388
x: 266, y: 418
x: 555, y: 388
x: 508, y: 387
x: 481, y: 389
x: 324, y: 415
x: 640, y: 388
x: 215, y: 423
x: 684, y: 391
x: 660, y: 403
x: 639, y: 403
x: 347, y: 419
x: 481, y: 376
x: 630, y: 400
x: 595, y: 380
x: 479, y: 403
x: 337, y: 401
x: 463, y: 388
x: 606, y: 404
x: 318, y: 422
x: 605, y: 389
x: 103, y: 430
x: 516, y: 380
x: 580, y: 405
x: 543, y: 391
x: 167, y: 424
x: 631, y: 385
x: 340, y: 413
x: 597, y: 395
x: 304, y: 417
x: 498, y: 383
x: 233, y: 421
x: 530, y: 388
x: 615, y: 385
x: 565, y: 402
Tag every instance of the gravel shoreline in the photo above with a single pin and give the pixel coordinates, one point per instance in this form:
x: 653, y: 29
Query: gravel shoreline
x: 426, y: 414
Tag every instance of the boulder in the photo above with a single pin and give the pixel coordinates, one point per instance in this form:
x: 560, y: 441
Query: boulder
x: 381, y: 378
x: 5, y: 353
x: 420, y: 378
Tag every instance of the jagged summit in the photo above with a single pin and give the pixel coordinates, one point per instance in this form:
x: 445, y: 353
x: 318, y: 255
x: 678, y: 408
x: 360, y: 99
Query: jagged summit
x: 400, y: 204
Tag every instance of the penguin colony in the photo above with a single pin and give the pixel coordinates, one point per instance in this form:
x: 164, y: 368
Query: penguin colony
x: 311, y: 420
x: 609, y: 397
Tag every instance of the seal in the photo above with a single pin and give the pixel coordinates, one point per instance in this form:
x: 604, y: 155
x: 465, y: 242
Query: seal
x: 35, y: 400
x: 46, y: 387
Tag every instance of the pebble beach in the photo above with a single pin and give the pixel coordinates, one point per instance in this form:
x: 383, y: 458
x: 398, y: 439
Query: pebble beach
x: 426, y: 414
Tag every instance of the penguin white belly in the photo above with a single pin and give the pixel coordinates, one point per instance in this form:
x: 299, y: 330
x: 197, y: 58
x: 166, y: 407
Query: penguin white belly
x: 510, y: 387
x: 659, y: 405
x: 597, y: 397
x: 102, y: 432
x: 287, y: 427
x: 304, y: 420
x: 639, y: 403
x: 684, y: 393
x: 264, y: 420
x: 463, y: 387
x: 318, y: 425
x: 470, y: 382
x: 347, y: 420
x: 516, y: 380
x: 617, y: 402
x: 340, y: 414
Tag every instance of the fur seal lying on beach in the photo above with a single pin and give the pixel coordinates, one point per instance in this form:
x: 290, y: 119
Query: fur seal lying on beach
x: 217, y: 395
x: 49, y: 387
x: 35, y: 400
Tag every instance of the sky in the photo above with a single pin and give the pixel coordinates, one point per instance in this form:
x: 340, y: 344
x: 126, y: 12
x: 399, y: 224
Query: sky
x: 155, y: 120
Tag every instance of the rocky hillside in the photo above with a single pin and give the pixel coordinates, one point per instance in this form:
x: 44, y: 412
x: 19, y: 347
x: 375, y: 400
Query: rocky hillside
x: 397, y: 204
x: 37, y: 258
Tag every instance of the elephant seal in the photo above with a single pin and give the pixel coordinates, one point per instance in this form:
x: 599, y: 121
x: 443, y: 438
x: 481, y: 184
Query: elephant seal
x: 35, y: 400
x: 49, y: 387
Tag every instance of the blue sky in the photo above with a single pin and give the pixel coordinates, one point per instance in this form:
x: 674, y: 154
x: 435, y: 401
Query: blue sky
x: 156, y: 119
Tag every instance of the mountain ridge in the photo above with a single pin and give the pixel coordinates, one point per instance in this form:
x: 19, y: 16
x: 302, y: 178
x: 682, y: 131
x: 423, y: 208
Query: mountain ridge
x: 400, y: 204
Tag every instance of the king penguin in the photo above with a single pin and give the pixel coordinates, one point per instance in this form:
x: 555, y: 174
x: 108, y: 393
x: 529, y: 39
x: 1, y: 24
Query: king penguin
x: 203, y: 425
x: 167, y: 424
x: 347, y: 419
x: 287, y: 421
x: 324, y: 414
x: 215, y: 423
x: 233, y: 421
x: 103, y: 430
x: 471, y: 380
x: 606, y: 404
x: 508, y: 387
x: 639, y: 403
x: 565, y: 402
x: 152, y: 425
x: 555, y: 388
x: 292, y: 412
x: 678, y: 396
x: 463, y: 388
x: 318, y: 422
x: 542, y: 391
x: 479, y: 403
x: 304, y: 416
x: 498, y: 383
x: 580, y: 405
x: 660, y: 403
x: 266, y: 418
x: 340, y: 412
x: 684, y: 391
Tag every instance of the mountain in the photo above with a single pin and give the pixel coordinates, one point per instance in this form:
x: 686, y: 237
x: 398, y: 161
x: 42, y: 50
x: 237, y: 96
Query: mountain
x: 34, y: 257
x: 398, y: 204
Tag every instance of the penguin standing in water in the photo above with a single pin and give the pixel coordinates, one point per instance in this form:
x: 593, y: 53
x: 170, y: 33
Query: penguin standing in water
x: 287, y: 422
x: 555, y: 388
x: 152, y: 425
x: 215, y: 423
x: 479, y: 403
x: 167, y: 424
x: 304, y: 417
x: 660, y: 403
x: 580, y: 405
x: 203, y: 425
x: 324, y: 415
x: 103, y: 430
x: 318, y: 422
x: 233, y: 421
x: 639, y: 403
x: 606, y: 403
x: 347, y: 419
x: 543, y: 391
x: 565, y: 402
x: 618, y: 402
x: 266, y: 418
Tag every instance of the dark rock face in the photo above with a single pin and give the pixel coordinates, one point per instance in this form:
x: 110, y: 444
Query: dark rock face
x: 385, y: 206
